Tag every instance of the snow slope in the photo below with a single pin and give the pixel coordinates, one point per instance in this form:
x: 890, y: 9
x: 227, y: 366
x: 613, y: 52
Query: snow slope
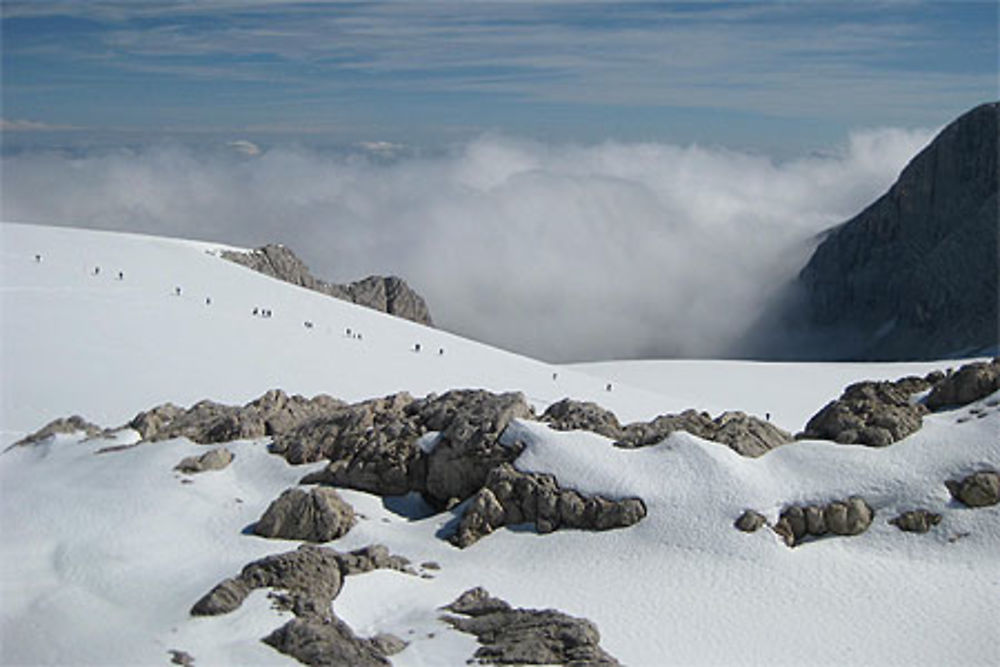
x: 103, y: 555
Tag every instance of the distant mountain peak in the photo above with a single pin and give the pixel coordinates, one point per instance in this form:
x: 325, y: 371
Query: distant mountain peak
x: 914, y: 275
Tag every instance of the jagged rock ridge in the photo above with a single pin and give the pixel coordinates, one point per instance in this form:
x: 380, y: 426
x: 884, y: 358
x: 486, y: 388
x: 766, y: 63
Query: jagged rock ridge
x: 914, y: 275
x: 388, y: 294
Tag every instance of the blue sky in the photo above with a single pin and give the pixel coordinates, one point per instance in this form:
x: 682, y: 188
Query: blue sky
x: 778, y: 77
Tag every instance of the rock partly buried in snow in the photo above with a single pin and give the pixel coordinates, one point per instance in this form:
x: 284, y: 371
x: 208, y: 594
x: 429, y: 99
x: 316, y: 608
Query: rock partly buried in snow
x: 63, y: 425
x: 512, y: 497
x: 570, y: 415
x: 208, y: 422
x: 916, y: 521
x: 372, y: 446
x: 750, y: 521
x: 387, y: 294
x: 980, y: 489
x: 746, y: 435
x: 329, y: 642
x: 216, y: 459
x: 875, y: 414
x: 526, y: 636
x: 840, y: 517
x: 317, y: 515
x: 969, y: 383
x: 311, y: 577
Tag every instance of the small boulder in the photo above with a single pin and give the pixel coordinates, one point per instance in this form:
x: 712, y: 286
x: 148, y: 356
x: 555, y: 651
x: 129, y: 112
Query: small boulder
x: 750, y: 521
x: 840, y: 517
x: 980, y: 489
x: 317, y: 515
x: 850, y: 517
x: 916, y: 521
x: 216, y: 459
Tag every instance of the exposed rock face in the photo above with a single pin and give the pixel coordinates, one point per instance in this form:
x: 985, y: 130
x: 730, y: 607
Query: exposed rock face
x: 980, y: 489
x: 914, y: 275
x: 317, y: 515
x: 750, y: 521
x: 511, y: 497
x: 73, y: 424
x: 216, y: 459
x: 387, y: 294
x: 526, y: 636
x: 312, y: 577
x: 208, y: 422
x: 748, y: 436
x: 969, y: 383
x: 916, y: 521
x: 870, y: 413
x: 373, y: 447
x: 840, y: 517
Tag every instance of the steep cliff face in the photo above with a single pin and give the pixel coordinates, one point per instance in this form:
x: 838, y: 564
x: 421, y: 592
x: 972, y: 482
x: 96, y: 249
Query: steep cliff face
x: 388, y: 294
x: 914, y: 276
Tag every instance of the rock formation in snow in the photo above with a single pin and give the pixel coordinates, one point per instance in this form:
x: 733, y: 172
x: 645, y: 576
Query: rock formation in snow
x: 840, y: 517
x: 214, y: 459
x: 317, y: 515
x: 525, y: 636
x: 387, y: 294
x: 311, y: 578
x: 916, y: 521
x: 746, y: 435
x: 980, y: 489
x: 969, y: 383
x: 512, y: 497
x: 914, y: 275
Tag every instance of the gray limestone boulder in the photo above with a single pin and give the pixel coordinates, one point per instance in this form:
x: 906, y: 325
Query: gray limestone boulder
x: 969, y: 383
x: 750, y: 521
x: 511, y: 497
x: 330, y: 642
x: 852, y: 516
x: 387, y: 294
x: 317, y: 515
x: 916, y: 521
x: 570, y: 415
x: 980, y: 489
x: 215, y: 459
x: 875, y: 414
x: 525, y: 636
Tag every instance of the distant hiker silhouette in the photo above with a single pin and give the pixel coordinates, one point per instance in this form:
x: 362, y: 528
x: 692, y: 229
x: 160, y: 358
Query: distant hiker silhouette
x: 97, y: 270
x: 255, y: 311
x: 121, y: 275
x: 416, y: 348
x: 38, y: 259
x: 177, y: 291
x: 608, y: 388
x: 208, y: 301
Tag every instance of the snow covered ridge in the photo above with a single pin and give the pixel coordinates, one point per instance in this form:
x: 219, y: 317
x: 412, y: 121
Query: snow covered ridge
x: 111, y: 538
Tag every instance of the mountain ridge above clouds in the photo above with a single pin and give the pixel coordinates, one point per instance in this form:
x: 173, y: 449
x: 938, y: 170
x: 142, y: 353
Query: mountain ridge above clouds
x: 110, y: 548
x: 915, y: 274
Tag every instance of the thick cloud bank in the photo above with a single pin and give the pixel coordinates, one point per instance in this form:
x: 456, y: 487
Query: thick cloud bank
x: 562, y: 252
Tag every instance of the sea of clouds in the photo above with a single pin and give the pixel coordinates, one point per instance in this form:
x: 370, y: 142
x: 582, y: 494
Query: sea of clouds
x: 564, y: 252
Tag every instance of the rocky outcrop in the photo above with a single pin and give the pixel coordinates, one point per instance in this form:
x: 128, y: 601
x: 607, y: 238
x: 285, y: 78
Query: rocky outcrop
x: 914, y: 275
x: 525, y: 636
x: 74, y: 424
x: 746, y: 435
x: 840, y: 517
x: 373, y: 447
x: 215, y: 459
x: 875, y: 414
x: 512, y: 497
x: 311, y: 577
x: 317, y: 515
x: 916, y: 521
x: 208, y: 422
x: 966, y: 385
x: 980, y: 489
x: 386, y: 294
